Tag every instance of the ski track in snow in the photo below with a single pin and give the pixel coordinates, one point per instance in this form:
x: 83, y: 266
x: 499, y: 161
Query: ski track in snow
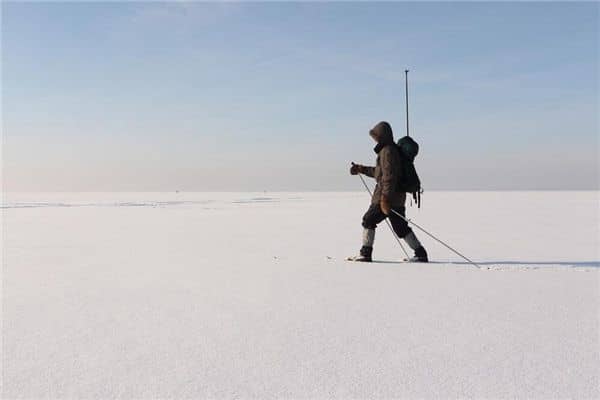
x: 118, y: 204
x: 251, y: 200
x: 248, y: 295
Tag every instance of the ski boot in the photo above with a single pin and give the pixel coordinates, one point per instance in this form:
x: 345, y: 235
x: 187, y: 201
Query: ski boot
x: 365, y: 255
x: 420, y: 255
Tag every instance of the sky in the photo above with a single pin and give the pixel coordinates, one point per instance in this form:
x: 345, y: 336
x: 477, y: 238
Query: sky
x: 147, y: 96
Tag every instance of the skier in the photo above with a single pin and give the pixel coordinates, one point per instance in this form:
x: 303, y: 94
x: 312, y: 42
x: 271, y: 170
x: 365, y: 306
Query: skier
x: 386, y: 196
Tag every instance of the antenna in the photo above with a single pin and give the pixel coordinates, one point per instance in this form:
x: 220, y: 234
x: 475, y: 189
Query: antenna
x: 406, y: 85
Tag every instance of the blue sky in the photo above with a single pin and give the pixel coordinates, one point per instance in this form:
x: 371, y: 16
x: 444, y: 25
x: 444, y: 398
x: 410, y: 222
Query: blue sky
x: 280, y: 96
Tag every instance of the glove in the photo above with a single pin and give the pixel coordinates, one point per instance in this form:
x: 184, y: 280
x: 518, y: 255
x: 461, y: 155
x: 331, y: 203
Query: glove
x: 355, y: 169
x: 385, y: 205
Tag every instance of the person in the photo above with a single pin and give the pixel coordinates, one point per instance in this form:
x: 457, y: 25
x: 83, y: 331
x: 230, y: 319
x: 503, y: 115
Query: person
x: 386, y: 197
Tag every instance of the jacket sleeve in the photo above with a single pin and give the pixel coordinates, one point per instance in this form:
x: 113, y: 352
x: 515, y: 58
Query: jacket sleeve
x: 368, y: 171
x: 388, y: 172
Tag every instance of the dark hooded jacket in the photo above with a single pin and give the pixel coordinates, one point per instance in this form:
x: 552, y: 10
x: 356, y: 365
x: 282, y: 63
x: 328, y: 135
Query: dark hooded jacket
x: 386, y: 169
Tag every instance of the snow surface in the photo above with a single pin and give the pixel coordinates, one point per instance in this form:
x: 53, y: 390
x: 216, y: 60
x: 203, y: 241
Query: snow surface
x: 246, y: 295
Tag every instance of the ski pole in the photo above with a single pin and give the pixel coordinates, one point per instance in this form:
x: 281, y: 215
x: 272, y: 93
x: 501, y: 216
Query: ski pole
x: 431, y: 235
x: 422, y: 229
x: 386, y: 220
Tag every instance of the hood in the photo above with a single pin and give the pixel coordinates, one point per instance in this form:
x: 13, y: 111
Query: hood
x: 382, y: 133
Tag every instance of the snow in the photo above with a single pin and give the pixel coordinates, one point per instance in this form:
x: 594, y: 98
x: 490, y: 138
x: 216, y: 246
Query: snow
x: 246, y: 295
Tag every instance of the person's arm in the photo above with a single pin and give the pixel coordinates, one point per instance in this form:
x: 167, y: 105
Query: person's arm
x: 368, y: 171
x: 362, y: 169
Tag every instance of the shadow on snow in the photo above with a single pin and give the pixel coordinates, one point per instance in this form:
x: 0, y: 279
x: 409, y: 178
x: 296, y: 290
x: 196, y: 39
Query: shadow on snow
x: 570, y: 264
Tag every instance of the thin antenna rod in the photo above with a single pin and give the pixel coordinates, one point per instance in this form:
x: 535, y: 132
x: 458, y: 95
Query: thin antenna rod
x: 406, y: 85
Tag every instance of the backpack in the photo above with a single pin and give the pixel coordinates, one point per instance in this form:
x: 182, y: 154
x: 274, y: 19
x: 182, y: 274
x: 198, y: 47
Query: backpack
x: 408, y: 180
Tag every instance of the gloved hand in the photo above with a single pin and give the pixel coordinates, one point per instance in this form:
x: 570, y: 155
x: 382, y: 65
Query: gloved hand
x: 385, y: 205
x: 355, y: 169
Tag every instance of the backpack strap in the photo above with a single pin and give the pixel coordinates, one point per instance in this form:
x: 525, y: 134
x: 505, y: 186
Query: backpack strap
x: 417, y: 197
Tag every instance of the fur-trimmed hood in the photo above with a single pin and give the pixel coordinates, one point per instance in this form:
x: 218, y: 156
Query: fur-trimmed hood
x: 382, y: 133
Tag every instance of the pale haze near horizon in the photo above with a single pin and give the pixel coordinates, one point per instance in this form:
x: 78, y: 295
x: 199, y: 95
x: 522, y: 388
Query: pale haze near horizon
x: 280, y: 96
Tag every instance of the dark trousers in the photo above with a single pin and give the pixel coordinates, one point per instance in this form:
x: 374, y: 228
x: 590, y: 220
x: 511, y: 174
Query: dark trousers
x: 374, y: 215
